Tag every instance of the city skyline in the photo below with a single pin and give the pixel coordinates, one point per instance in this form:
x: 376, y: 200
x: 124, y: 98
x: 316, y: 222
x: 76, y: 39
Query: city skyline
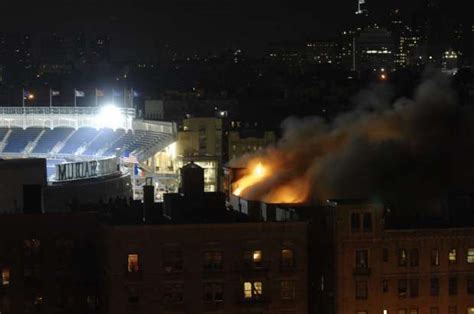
x: 203, y: 25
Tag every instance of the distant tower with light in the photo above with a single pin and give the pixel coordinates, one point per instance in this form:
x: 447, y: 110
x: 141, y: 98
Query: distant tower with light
x: 361, y: 8
x: 362, y: 15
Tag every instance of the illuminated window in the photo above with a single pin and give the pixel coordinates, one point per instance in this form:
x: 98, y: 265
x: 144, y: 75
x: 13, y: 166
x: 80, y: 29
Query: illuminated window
x: 253, y: 290
x: 213, y: 261
x: 470, y: 255
x: 257, y: 256
x: 452, y: 256
x: 132, y: 263
x: 287, y: 258
x: 287, y: 290
x: 470, y: 310
x: 402, y: 257
x: 5, y: 276
x: 253, y: 258
x: 435, y: 257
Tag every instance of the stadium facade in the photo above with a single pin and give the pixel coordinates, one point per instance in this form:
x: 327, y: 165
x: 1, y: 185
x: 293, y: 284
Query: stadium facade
x: 105, y: 150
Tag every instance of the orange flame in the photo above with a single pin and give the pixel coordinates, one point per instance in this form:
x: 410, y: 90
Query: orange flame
x: 255, y: 176
x: 294, y: 191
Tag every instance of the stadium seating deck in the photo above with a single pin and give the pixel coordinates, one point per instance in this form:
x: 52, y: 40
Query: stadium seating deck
x: 85, y: 141
x: 80, y: 137
x: 50, y: 138
x: 19, y: 138
x: 104, y: 139
x: 3, y: 132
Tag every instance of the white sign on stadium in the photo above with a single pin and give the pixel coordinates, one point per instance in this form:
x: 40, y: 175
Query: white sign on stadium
x: 86, y: 169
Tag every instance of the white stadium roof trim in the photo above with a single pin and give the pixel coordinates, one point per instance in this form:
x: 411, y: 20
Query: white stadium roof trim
x: 82, y: 132
x: 72, y: 117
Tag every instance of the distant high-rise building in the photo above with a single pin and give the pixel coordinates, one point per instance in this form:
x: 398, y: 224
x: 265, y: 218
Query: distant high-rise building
x: 362, y: 15
x: 408, y: 52
x: 429, y: 25
x: 322, y: 52
x: 99, y: 49
x: 374, y: 49
x: 347, y: 52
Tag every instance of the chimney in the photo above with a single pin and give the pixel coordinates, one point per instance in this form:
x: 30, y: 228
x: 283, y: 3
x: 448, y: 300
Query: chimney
x: 148, y: 198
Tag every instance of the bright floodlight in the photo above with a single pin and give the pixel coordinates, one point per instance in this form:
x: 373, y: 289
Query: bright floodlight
x: 109, y: 116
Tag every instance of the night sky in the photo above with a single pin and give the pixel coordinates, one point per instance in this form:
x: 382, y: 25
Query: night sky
x: 201, y: 24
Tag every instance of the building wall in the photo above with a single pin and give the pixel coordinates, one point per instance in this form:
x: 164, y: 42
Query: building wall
x: 200, y: 137
x: 147, y: 290
x: 382, y: 278
x: 48, y: 263
x: 15, y: 175
x: 201, y: 142
x: 154, y: 110
x: 239, y: 146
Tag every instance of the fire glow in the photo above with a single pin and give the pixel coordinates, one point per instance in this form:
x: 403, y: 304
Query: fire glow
x: 387, y: 152
x: 255, y: 179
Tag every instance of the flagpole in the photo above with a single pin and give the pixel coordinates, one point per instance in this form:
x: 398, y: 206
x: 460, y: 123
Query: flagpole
x: 96, y: 97
x: 50, y: 98
x: 75, y: 98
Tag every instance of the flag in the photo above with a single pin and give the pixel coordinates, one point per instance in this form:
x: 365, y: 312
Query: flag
x: 135, y: 94
x: 55, y: 93
x: 116, y: 93
x: 28, y: 95
x: 79, y: 93
x: 99, y: 93
x: 138, y: 171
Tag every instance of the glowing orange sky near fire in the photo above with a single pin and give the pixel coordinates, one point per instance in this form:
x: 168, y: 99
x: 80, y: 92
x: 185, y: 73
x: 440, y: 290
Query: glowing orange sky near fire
x: 290, y: 192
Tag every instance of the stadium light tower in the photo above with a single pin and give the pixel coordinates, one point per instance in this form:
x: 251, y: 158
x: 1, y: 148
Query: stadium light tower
x: 110, y: 116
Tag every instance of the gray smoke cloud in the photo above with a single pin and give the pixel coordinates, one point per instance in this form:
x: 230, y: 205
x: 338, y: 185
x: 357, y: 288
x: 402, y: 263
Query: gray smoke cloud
x: 408, y: 153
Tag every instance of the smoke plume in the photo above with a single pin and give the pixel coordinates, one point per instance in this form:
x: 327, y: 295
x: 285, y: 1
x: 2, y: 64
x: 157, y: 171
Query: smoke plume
x: 408, y: 153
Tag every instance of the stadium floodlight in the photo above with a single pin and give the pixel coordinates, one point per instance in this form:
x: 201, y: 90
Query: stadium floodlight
x: 109, y: 116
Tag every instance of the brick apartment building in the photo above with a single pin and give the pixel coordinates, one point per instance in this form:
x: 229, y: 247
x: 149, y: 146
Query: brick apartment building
x: 387, y: 269
x: 207, y: 268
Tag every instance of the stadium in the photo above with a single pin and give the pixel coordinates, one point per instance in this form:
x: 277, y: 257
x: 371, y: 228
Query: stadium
x: 93, y: 146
